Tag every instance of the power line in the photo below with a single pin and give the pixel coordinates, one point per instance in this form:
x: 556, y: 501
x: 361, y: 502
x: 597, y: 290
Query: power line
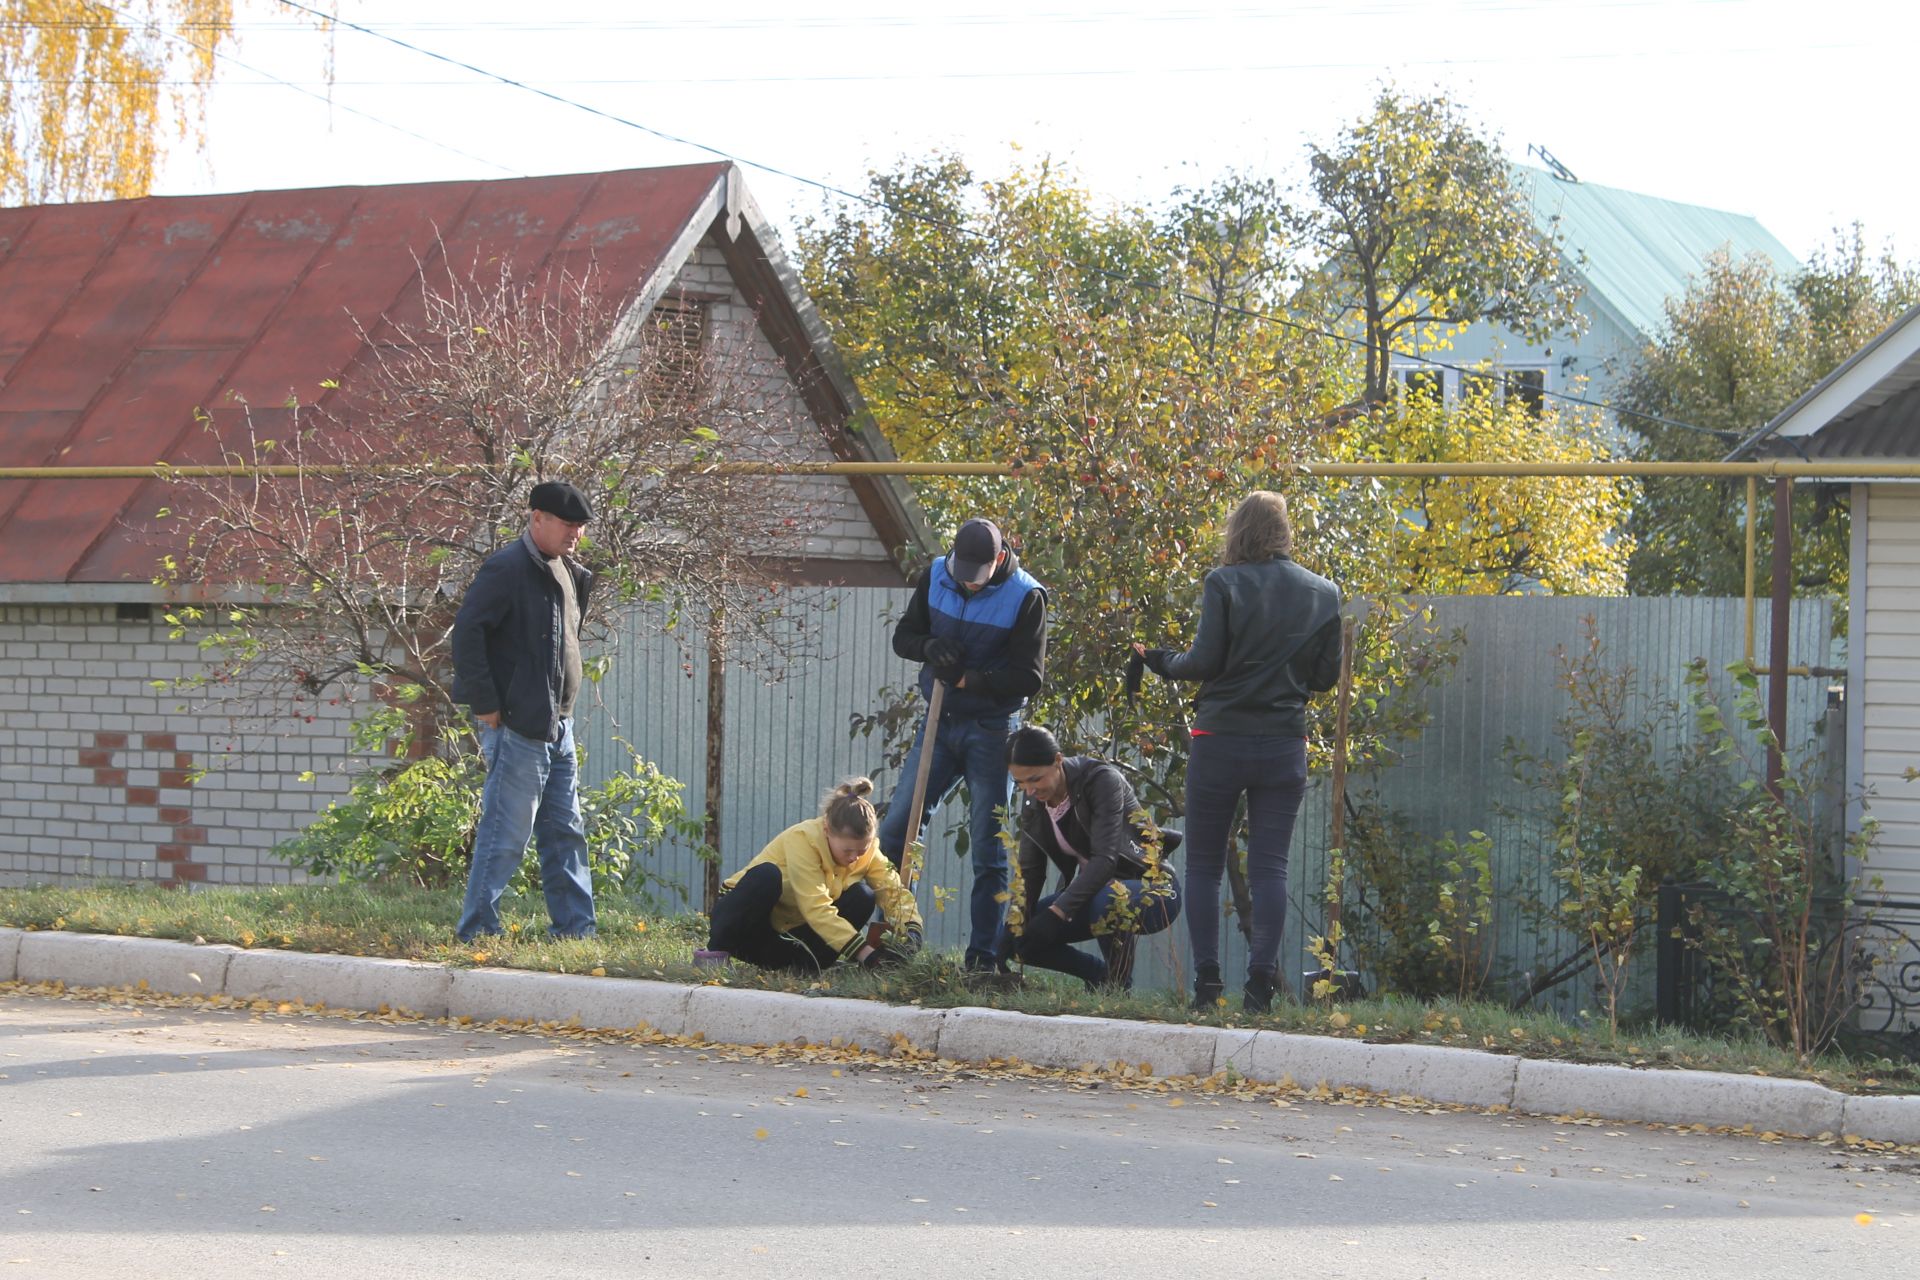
x: 844, y: 21
x: 919, y: 75
x: 1143, y: 285
x: 221, y: 54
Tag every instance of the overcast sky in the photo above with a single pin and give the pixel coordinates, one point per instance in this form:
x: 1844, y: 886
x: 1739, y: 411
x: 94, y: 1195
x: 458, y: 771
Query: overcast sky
x: 1793, y: 112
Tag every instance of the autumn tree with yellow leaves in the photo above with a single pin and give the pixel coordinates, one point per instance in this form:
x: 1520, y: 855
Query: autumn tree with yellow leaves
x: 91, y: 95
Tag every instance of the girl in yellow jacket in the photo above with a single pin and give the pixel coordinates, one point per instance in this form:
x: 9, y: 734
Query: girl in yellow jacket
x: 805, y: 901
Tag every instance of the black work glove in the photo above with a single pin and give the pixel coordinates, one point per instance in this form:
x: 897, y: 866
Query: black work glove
x: 1155, y: 660
x: 1043, y: 928
x: 883, y: 957
x: 910, y: 941
x: 1135, y: 664
x: 942, y: 652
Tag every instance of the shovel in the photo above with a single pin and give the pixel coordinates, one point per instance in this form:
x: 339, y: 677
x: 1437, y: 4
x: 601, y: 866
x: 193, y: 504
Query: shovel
x: 911, y: 858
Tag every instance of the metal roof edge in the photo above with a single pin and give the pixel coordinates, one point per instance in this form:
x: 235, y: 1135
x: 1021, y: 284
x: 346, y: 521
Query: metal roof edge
x: 1784, y: 420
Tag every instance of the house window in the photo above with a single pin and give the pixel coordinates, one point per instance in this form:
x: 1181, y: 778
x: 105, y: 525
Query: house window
x: 1528, y: 387
x: 1509, y: 386
x: 679, y: 333
x: 1415, y: 381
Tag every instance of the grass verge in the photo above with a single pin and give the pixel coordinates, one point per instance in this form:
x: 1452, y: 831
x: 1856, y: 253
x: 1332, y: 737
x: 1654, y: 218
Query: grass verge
x: 418, y: 925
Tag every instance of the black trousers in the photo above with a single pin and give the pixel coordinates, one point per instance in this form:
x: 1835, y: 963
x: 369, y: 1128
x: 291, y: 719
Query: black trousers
x: 743, y: 923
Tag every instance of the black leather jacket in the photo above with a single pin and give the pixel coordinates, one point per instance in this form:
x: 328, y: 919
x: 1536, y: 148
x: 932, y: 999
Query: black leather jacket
x: 1269, y: 637
x: 1100, y: 822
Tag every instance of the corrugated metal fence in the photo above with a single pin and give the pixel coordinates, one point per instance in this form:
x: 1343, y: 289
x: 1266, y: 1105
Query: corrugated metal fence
x: 787, y: 742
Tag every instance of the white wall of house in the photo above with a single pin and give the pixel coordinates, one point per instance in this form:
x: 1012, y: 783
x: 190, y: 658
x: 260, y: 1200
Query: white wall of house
x: 1886, y: 627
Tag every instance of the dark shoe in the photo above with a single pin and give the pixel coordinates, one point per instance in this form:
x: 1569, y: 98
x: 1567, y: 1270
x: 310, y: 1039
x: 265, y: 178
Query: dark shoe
x: 1207, y: 987
x: 1259, y: 992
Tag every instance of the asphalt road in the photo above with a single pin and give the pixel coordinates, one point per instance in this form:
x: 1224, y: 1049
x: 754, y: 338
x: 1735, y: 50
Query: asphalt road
x: 140, y: 1140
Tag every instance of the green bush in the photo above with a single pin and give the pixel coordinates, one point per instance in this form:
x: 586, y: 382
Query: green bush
x: 413, y: 823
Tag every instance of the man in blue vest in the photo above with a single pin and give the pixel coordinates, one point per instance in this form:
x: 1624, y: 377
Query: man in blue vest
x: 977, y: 621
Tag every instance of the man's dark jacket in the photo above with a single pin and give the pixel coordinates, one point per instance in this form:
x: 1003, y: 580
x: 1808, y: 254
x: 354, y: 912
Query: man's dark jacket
x: 1100, y: 821
x: 508, y: 642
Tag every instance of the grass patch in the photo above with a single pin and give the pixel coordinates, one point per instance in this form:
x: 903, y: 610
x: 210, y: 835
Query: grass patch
x: 418, y: 925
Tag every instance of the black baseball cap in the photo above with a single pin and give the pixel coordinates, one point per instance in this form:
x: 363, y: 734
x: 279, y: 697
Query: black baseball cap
x: 558, y: 498
x: 976, y: 549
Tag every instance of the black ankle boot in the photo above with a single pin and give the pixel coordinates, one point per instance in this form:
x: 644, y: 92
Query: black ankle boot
x: 1258, y: 996
x: 1207, y: 987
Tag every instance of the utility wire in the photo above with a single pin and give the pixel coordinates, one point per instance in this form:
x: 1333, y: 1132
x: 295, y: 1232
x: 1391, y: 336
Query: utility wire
x: 221, y: 54
x: 1058, y: 17
x: 1143, y: 285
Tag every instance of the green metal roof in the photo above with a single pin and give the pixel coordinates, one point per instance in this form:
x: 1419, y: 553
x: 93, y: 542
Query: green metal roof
x: 1635, y: 251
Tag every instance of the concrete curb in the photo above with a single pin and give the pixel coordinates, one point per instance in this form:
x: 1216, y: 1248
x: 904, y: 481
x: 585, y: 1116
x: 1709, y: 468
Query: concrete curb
x: 727, y: 1015
x: 340, y: 982
x: 1161, y: 1049
x: 1798, y: 1107
x: 1884, y: 1119
x: 1434, y: 1072
x: 515, y: 995
x: 103, y: 960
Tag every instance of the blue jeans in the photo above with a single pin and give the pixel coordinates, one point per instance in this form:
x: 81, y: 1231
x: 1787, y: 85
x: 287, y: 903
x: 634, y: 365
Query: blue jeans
x: 1152, y: 909
x: 1271, y: 771
x: 532, y: 790
x: 975, y: 749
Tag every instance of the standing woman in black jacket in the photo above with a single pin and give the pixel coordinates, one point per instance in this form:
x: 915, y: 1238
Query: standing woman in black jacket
x: 1269, y: 636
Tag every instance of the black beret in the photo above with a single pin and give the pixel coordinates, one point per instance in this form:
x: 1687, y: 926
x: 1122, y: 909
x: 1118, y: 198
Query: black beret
x: 558, y: 498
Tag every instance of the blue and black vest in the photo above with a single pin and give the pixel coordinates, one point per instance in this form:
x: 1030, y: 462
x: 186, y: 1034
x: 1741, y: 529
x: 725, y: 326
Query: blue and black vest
x: 982, y: 624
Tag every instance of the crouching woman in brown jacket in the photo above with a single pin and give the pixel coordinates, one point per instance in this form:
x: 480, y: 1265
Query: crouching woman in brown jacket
x: 1080, y: 814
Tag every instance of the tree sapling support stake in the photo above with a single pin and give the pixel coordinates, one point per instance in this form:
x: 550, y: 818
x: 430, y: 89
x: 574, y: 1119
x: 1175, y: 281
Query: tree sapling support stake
x: 1345, y: 983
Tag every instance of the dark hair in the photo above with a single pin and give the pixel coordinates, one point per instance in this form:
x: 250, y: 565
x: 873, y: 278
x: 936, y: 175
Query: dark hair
x: 848, y: 811
x: 1031, y: 746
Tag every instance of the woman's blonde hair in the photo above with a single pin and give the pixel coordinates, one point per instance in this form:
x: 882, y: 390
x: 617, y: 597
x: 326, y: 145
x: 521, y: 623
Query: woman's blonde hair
x: 1258, y: 529
x: 848, y: 811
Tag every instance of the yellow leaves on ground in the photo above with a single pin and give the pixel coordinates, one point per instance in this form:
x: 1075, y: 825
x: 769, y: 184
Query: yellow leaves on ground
x: 759, y: 1135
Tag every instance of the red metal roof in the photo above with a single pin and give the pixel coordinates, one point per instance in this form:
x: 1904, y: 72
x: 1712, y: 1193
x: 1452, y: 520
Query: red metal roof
x: 120, y: 321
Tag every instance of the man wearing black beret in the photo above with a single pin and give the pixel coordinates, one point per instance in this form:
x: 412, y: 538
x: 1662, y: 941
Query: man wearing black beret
x: 516, y: 665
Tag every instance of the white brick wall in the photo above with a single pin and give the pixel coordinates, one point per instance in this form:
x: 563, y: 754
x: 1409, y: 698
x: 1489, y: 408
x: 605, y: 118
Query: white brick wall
x: 841, y: 530
x: 102, y: 776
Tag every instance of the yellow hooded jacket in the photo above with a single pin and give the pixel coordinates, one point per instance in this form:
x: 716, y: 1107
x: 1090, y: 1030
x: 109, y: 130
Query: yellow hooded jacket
x: 812, y: 883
